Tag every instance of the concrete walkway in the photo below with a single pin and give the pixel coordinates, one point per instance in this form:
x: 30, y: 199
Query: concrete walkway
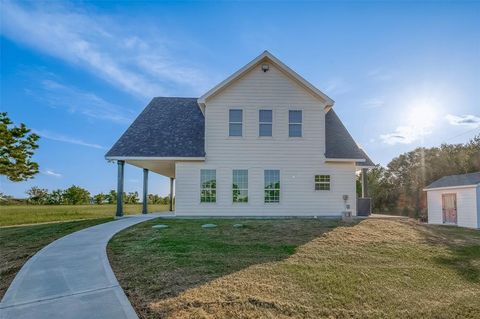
x: 71, y: 278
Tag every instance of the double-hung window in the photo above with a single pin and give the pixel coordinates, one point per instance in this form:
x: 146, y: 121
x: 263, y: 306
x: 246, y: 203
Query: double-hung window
x: 272, y: 186
x: 295, y: 123
x: 240, y: 186
x: 322, y: 182
x: 235, y: 122
x: 208, y: 186
x: 265, y: 123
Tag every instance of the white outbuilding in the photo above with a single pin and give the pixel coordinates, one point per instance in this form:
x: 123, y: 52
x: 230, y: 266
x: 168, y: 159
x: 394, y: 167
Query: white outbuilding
x: 455, y: 200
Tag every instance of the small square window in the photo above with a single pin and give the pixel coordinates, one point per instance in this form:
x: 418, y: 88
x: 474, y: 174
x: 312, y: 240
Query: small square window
x: 322, y: 182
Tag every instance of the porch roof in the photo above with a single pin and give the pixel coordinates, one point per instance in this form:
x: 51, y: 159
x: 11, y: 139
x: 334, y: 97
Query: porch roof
x: 340, y: 144
x: 169, y: 127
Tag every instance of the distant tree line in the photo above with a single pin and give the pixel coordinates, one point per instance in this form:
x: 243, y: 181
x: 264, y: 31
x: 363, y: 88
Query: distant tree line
x: 76, y: 195
x: 398, y: 187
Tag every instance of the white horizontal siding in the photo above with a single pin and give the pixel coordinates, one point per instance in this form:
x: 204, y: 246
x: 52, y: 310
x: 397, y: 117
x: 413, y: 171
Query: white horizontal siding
x: 298, y: 159
x: 297, y: 196
x: 467, y: 214
x: 265, y: 90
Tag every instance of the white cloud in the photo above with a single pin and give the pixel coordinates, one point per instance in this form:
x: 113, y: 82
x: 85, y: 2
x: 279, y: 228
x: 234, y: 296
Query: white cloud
x: 138, y: 61
x: 66, y: 139
x: 58, y: 95
x: 467, y: 120
x: 401, y: 135
x: 405, y: 135
x: 52, y: 173
x: 373, y: 103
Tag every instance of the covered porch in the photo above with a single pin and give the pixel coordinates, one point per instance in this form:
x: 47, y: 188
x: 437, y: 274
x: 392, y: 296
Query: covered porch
x: 161, y: 166
x: 364, y: 203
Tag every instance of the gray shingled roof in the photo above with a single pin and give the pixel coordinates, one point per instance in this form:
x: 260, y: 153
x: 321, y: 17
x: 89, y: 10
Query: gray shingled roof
x: 456, y: 180
x: 339, y: 143
x: 174, y: 127
x: 168, y: 127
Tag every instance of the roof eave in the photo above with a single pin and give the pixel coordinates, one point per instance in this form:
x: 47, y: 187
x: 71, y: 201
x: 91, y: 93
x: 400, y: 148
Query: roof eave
x: 360, y: 160
x: 157, y: 158
x: 450, y: 187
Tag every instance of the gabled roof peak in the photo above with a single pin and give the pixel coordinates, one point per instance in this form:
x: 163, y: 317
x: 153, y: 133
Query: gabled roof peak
x: 249, y: 66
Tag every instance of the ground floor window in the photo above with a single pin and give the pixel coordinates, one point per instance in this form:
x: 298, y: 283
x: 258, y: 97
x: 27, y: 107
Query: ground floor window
x: 272, y: 186
x: 322, y: 182
x: 240, y: 186
x: 208, y: 186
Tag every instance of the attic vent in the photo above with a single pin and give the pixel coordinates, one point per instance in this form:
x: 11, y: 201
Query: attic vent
x: 265, y: 67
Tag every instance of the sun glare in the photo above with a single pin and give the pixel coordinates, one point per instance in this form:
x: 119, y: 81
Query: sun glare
x: 422, y: 116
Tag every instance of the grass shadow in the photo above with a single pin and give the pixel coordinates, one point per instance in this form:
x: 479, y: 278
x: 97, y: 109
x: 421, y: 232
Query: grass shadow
x: 157, y: 264
x: 463, y: 249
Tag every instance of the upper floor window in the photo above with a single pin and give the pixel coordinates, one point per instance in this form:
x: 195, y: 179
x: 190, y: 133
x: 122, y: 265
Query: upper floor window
x: 235, y: 122
x: 240, y: 186
x: 208, y: 186
x: 265, y: 123
x: 322, y: 182
x: 295, y: 123
x: 272, y: 186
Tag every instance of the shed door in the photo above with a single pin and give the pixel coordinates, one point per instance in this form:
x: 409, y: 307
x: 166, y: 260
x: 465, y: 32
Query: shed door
x: 449, y: 208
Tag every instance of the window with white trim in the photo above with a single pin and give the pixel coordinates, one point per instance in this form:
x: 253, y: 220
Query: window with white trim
x: 295, y: 123
x: 272, y: 186
x: 265, y: 119
x: 322, y: 182
x: 240, y: 186
x: 235, y: 122
x: 208, y: 186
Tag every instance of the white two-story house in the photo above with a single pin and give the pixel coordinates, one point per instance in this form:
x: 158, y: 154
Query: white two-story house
x: 264, y: 142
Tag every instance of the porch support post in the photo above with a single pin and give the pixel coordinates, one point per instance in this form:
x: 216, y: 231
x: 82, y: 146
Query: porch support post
x: 364, y: 183
x: 145, y: 191
x: 119, y: 212
x: 171, y: 194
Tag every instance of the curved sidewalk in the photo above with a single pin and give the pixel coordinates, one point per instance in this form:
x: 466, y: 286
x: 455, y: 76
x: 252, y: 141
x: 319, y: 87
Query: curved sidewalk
x: 71, y: 278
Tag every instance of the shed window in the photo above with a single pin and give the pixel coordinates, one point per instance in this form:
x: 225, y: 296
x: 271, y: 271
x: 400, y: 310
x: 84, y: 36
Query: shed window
x: 235, y: 118
x: 272, y: 186
x: 240, y: 186
x: 265, y: 123
x: 208, y: 186
x: 322, y: 182
x: 295, y: 123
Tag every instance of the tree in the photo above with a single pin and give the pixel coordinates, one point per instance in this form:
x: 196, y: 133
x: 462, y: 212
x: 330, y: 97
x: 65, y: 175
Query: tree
x: 400, y: 185
x: 100, y: 198
x: 75, y: 195
x: 56, y: 197
x: 37, y: 195
x: 16, y: 150
x: 131, y: 198
x: 112, y: 197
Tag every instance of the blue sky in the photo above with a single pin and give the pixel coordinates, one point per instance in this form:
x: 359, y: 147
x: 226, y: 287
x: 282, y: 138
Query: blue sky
x: 402, y: 74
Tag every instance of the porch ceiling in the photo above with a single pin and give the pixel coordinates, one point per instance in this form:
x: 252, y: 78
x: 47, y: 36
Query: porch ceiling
x: 162, y: 167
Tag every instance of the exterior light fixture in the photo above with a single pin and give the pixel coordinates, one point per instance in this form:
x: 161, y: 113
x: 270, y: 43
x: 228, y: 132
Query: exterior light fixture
x: 265, y: 67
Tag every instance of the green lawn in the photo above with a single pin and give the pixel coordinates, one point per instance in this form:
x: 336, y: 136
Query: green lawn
x: 33, y: 214
x: 379, y: 268
x: 18, y: 244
